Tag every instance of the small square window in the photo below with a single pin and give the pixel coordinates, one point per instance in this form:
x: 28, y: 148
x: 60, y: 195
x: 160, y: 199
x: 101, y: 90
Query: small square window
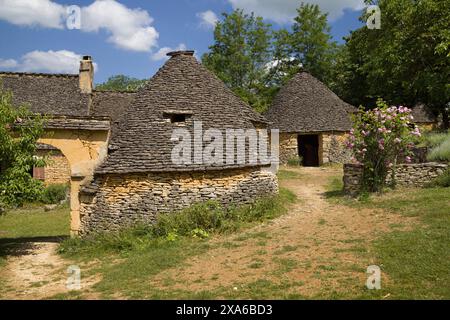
x: 177, y: 118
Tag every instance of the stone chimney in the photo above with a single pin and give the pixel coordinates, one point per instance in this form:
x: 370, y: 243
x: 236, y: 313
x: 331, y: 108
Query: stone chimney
x: 86, y: 74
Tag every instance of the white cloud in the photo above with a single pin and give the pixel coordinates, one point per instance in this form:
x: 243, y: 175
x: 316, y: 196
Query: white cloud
x: 283, y: 11
x: 161, y: 54
x: 8, y: 63
x: 208, y: 19
x: 129, y: 29
x: 62, y: 61
x: 43, y: 13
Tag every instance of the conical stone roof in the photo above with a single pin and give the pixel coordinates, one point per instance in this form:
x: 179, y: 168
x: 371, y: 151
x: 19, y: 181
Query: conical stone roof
x: 182, y: 87
x: 305, y: 104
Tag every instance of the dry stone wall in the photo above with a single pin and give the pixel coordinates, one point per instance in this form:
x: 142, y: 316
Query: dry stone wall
x: 407, y: 175
x: 334, y: 149
x: 115, y: 201
x: 57, y: 169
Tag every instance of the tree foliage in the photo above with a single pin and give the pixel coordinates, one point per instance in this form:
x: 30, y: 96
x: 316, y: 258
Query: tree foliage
x: 310, y: 43
x: 121, y: 83
x: 19, y: 131
x: 406, y: 61
x: 255, y: 61
x: 240, y: 55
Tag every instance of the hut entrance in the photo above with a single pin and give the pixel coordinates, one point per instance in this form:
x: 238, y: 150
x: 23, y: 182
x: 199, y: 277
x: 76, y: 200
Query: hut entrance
x: 308, y: 149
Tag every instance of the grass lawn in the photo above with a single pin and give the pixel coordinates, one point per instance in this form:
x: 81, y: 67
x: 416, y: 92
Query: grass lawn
x: 31, y: 221
x: 417, y: 262
x: 128, y: 260
x: 414, y: 261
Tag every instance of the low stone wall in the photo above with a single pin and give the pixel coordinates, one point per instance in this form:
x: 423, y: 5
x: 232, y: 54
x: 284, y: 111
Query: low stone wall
x: 112, y: 202
x: 407, y: 175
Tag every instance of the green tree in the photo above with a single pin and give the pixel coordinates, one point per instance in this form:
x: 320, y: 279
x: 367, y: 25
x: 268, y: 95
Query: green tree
x: 309, y: 45
x: 406, y: 61
x: 19, y: 131
x: 121, y: 83
x: 312, y: 43
x: 240, y: 56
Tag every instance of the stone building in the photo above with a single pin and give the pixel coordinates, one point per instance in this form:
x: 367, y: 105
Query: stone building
x: 313, y: 122
x: 79, y: 121
x: 115, y: 147
x: 139, y: 179
x: 424, y: 117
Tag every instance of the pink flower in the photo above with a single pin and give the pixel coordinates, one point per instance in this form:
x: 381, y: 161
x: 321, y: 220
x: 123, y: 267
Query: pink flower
x: 408, y: 159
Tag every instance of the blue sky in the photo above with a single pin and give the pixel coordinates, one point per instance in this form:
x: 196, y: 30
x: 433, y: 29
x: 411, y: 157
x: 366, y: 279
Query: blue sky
x: 131, y: 37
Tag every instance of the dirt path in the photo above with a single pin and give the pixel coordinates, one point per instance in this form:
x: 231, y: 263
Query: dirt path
x: 317, y: 246
x: 35, y: 271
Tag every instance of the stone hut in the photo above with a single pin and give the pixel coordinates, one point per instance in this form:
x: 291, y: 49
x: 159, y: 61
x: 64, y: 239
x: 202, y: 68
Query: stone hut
x: 313, y: 122
x: 139, y: 180
x: 425, y: 119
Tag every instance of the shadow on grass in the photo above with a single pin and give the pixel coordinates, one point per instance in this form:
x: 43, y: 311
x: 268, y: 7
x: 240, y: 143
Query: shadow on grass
x: 23, y: 246
x: 334, y: 194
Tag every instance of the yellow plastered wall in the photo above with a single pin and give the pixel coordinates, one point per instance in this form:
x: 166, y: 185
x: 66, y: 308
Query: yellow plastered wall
x: 84, y: 150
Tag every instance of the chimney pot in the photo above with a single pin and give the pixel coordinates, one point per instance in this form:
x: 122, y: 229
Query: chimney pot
x: 86, y: 74
x: 181, y: 53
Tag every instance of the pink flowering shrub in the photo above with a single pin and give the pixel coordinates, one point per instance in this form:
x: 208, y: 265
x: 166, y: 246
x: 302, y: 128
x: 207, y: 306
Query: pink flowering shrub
x: 379, y: 138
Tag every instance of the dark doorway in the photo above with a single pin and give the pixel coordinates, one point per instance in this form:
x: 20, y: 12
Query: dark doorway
x: 308, y: 149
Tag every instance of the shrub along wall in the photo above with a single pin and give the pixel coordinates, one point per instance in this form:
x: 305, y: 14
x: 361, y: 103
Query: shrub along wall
x: 115, y: 201
x: 408, y: 175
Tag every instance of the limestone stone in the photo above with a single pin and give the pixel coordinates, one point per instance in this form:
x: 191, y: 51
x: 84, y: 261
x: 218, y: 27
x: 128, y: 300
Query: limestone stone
x: 410, y: 175
x: 125, y: 199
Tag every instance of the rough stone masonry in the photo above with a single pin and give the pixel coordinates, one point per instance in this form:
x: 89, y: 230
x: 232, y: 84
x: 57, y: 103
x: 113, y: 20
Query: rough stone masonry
x: 407, y: 175
x: 115, y: 201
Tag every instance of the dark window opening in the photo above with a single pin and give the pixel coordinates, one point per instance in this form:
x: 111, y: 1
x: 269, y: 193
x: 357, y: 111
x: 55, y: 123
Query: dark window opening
x: 308, y: 150
x: 176, y: 117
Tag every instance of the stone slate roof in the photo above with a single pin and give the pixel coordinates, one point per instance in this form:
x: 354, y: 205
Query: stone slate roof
x: 110, y: 104
x: 305, y: 104
x: 143, y: 143
x: 422, y: 114
x: 51, y: 94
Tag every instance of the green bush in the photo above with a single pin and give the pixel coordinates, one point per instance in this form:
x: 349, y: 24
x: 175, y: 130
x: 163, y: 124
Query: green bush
x: 441, y: 181
x: 198, y: 221
x: 435, y: 139
x: 20, y: 130
x: 441, y: 152
x: 54, y: 193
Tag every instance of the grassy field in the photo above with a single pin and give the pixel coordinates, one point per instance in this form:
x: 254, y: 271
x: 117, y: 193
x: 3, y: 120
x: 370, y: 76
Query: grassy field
x: 31, y: 221
x: 128, y: 259
x: 416, y: 261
